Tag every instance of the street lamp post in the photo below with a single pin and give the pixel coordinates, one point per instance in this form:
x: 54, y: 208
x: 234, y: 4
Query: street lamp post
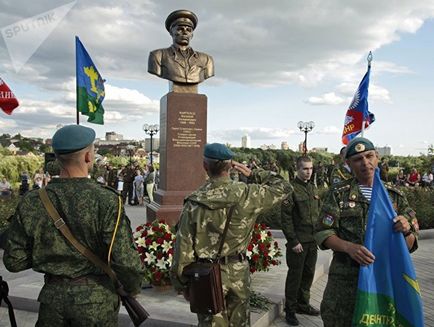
x: 305, y: 127
x: 151, y: 130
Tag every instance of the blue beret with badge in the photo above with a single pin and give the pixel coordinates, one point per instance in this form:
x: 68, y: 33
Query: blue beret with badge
x: 72, y: 138
x: 358, y: 145
x: 218, y: 151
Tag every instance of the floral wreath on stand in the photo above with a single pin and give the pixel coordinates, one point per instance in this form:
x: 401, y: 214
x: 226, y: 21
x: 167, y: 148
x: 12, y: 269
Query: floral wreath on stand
x: 155, y: 241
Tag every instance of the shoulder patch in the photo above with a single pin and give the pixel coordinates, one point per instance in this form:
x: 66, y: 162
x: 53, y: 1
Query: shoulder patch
x: 328, y: 220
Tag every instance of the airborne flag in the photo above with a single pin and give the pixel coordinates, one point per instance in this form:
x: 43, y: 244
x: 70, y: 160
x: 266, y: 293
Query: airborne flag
x: 8, y: 101
x: 358, y: 112
x: 388, y: 293
x: 90, y: 86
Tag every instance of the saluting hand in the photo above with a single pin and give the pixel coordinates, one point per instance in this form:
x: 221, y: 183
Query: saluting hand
x: 246, y: 171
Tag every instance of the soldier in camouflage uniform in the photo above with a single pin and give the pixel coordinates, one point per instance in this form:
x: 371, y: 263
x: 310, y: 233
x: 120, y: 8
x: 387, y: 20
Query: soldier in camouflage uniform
x: 299, y: 214
x: 341, y: 227
x: 202, y: 222
x: 341, y: 171
x: 76, y: 292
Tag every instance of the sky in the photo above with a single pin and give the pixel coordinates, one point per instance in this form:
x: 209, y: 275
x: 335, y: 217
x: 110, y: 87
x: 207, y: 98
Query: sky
x: 276, y: 63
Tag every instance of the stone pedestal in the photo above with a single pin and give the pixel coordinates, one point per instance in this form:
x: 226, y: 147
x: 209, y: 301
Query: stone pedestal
x: 183, y: 118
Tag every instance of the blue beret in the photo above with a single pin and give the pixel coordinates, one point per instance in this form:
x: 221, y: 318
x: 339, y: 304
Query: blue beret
x: 218, y: 151
x: 72, y: 138
x: 358, y: 145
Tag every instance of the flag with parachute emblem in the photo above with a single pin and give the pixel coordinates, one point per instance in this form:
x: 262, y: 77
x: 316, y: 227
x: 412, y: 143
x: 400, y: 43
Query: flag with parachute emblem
x: 358, y: 113
x: 90, y: 86
x: 8, y: 101
x: 388, y: 292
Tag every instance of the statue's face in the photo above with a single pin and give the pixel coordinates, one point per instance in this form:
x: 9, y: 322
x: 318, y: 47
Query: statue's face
x: 181, y: 34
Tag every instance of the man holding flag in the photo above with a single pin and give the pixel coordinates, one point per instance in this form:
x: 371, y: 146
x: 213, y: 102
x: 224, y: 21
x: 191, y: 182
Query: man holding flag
x: 341, y: 227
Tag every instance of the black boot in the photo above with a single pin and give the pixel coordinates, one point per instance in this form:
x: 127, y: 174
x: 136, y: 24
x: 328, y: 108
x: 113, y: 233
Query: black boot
x: 291, y: 319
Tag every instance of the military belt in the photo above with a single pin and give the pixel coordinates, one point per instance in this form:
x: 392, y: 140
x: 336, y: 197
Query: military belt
x: 82, y: 280
x: 345, y: 259
x: 240, y: 257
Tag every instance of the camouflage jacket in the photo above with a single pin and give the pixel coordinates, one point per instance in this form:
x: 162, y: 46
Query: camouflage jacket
x: 300, y: 212
x: 90, y: 211
x: 204, y: 215
x: 345, y: 213
x: 339, y: 174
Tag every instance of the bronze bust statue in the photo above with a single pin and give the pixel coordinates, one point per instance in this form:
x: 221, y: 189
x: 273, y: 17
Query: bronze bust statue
x: 180, y: 63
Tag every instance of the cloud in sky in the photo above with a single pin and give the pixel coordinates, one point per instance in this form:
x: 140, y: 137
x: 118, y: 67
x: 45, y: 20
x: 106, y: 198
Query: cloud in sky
x: 326, y: 99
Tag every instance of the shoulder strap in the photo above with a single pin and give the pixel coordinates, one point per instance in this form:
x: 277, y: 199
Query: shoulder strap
x: 64, y: 229
x: 225, y: 231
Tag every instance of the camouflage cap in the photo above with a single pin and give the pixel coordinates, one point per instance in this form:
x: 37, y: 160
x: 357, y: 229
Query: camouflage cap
x: 183, y: 17
x: 72, y: 138
x: 218, y: 151
x: 358, y: 145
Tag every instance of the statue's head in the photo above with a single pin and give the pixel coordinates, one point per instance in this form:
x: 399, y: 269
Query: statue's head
x: 181, y: 24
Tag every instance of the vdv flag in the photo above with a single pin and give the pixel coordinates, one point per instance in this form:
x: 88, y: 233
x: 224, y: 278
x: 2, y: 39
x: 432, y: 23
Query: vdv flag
x: 388, y: 292
x: 358, y: 111
x: 90, y: 86
x: 8, y: 101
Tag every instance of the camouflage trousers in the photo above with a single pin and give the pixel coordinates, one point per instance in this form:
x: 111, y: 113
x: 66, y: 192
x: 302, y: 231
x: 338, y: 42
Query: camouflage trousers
x: 89, y: 304
x: 339, y: 299
x: 236, y: 290
x: 301, y: 270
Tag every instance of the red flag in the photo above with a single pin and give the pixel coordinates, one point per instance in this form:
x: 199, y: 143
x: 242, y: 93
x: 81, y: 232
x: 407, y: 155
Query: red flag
x: 8, y: 101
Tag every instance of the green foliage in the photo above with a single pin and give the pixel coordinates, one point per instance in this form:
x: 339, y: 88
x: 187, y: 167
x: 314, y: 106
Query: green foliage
x: 422, y: 201
x: 258, y: 302
x: 12, y: 166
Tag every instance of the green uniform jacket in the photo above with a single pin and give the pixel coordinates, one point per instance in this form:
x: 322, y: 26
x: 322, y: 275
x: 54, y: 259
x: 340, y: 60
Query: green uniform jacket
x: 339, y: 174
x: 90, y: 211
x: 204, y: 215
x: 300, y: 212
x: 345, y: 213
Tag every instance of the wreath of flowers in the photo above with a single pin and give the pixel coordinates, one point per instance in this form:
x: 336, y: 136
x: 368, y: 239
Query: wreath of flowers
x: 262, y: 251
x: 155, y: 241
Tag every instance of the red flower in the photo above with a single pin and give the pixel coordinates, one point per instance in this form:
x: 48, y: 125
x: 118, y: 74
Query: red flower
x: 263, y: 226
x: 148, y: 241
x: 255, y: 257
x: 155, y: 228
x: 250, y: 247
x: 252, y: 269
x: 261, y: 246
x: 269, y: 233
x: 157, y: 275
x: 273, y: 262
x: 170, y: 252
x: 160, y: 240
x: 139, y: 228
x: 167, y: 237
x: 145, y: 233
x: 159, y: 255
x: 268, y: 245
x: 258, y: 236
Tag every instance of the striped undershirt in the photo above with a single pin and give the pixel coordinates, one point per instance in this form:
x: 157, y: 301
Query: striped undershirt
x: 366, y: 191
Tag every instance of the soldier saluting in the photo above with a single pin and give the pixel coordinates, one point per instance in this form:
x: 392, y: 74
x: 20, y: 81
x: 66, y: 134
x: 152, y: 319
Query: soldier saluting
x: 201, y: 227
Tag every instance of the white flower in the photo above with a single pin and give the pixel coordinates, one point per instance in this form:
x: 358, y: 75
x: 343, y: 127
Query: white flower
x: 272, y: 253
x: 263, y: 235
x: 161, y: 264
x: 137, y: 234
x: 153, y: 246
x: 150, y: 231
x: 169, y: 260
x: 255, y: 248
x: 150, y: 258
x: 249, y: 254
x: 141, y: 242
x: 166, y: 246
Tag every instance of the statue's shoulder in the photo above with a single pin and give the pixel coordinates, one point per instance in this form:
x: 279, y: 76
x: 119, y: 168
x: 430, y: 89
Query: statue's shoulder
x: 158, y: 53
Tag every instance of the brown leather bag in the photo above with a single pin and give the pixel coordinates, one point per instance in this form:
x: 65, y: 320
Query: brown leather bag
x: 137, y: 313
x: 205, y: 282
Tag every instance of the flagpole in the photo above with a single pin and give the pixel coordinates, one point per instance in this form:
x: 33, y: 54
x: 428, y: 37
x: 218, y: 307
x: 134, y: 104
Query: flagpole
x: 76, y: 84
x: 369, y: 59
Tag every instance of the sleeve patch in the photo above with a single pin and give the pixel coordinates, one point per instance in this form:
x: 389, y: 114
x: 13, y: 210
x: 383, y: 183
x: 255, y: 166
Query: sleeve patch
x: 328, y: 220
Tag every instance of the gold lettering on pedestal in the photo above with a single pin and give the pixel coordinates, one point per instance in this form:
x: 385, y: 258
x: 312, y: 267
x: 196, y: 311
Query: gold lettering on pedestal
x: 186, y: 134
